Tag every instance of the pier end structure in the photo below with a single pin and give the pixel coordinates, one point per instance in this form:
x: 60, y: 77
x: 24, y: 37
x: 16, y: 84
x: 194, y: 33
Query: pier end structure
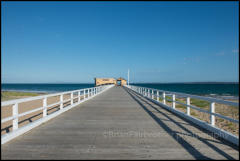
x: 122, y: 81
x: 106, y: 81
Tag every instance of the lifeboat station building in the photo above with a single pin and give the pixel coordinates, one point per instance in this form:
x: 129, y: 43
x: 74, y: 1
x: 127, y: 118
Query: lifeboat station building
x: 104, y: 81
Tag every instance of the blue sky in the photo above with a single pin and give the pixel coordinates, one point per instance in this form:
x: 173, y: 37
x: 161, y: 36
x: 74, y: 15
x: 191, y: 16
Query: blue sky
x: 74, y: 42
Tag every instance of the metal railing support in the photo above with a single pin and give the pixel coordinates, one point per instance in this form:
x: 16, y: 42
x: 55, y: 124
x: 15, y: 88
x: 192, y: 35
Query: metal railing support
x: 45, y: 107
x: 61, y: 100
x: 173, y: 101
x: 15, y: 115
x: 212, y: 110
x: 164, y: 99
x: 88, y: 93
x: 71, y: 98
x: 188, y: 103
x: 84, y: 94
x: 79, y: 96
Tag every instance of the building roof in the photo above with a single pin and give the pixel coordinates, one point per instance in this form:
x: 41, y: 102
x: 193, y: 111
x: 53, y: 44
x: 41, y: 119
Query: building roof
x: 121, y: 78
x: 103, y: 78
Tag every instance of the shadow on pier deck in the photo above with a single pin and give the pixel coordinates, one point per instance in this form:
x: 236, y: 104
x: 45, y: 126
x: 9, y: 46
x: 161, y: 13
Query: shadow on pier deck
x: 118, y: 124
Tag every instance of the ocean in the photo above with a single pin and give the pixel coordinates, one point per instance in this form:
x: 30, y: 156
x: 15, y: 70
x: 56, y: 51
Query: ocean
x: 209, y: 89
x: 217, y: 90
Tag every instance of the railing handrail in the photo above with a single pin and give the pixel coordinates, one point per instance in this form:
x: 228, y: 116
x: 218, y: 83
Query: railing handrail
x: 194, y: 107
x: 209, y: 99
x: 16, y: 131
x: 16, y: 101
x: 10, y: 102
x: 144, y: 91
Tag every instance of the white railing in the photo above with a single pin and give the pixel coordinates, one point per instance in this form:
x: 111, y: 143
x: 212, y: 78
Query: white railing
x: 151, y: 94
x: 86, y: 94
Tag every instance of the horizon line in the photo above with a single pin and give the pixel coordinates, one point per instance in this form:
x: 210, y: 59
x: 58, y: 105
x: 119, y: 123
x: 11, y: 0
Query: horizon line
x: 129, y: 82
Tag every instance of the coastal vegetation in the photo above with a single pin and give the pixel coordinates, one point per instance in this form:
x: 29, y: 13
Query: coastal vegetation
x: 9, y: 95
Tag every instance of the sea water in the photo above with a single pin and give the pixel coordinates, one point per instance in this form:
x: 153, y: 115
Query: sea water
x: 209, y: 89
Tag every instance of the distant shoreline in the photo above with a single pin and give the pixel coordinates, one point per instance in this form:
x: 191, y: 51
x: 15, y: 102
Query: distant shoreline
x: 143, y: 83
x: 26, y: 91
x: 190, y: 83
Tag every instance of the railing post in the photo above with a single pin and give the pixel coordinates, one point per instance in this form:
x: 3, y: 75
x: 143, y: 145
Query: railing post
x: 71, y: 98
x: 61, y: 100
x: 148, y: 93
x: 45, y: 107
x: 78, y: 96
x: 164, y: 99
x: 188, y: 108
x: 145, y: 92
x: 158, y: 96
x: 152, y: 94
x: 212, y: 110
x: 15, y: 115
x: 88, y: 92
x: 84, y: 94
x: 173, y: 101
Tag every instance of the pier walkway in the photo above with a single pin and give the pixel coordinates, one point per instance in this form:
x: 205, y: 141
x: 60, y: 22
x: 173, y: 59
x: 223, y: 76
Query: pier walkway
x: 118, y: 124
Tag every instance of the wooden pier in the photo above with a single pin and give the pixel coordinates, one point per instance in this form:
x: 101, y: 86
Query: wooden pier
x: 118, y: 124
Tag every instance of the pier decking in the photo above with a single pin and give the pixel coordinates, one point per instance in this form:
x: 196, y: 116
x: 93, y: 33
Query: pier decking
x: 118, y: 124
